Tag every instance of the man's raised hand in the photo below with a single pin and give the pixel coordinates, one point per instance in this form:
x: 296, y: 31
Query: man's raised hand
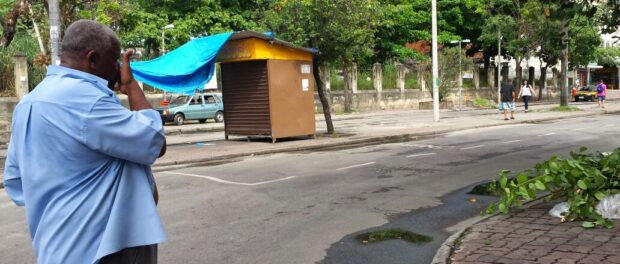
x: 127, y: 81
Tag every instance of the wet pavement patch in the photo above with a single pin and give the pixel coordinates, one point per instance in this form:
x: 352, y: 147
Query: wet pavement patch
x: 391, y: 234
x: 474, y: 142
x: 486, y: 189
x: 545, y: 122
x: 432, y: 221
x: 490, y: 155
x: 387, y: 189
x: 456, y: 163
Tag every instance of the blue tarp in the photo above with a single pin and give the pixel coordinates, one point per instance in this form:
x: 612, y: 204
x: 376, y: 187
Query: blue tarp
x: 184, y: 69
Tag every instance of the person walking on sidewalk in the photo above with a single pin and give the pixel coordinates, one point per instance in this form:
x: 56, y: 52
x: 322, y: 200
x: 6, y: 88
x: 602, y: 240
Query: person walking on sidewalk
x: 601, y: 91
x: 79, y: 162
x: 508, y: 99
x: 525, y: 94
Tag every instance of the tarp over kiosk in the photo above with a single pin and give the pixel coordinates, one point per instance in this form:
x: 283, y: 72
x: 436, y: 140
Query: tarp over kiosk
x: 192, y: 65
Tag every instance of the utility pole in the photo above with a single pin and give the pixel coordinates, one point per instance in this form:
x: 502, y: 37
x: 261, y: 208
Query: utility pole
x: 499, y: 66
x: 54, y: 20
x: 163, y: 37
x: 460, y: 82
x: 435, y: 63
x: 564, y: 65
x: 163, y: 42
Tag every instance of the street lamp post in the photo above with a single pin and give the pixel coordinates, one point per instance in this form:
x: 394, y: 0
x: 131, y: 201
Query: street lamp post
x: 435, y: 62
x: 499, y: 67
x: 460, y: 80
x: 163, y: 37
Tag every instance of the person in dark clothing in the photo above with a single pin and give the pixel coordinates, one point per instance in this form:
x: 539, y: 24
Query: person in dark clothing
x: 508, y: 99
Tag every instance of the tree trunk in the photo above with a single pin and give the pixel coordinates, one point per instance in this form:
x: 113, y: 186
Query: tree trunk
x: 518, y: 73
x: 554, y: 76
x: 9, y: 23
x: 531, y: 77
x: 322, y: 96
x: 564, y: 56
x: 543, y: 81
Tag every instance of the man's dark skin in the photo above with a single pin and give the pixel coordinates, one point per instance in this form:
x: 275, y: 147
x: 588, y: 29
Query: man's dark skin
x: 105, y: 65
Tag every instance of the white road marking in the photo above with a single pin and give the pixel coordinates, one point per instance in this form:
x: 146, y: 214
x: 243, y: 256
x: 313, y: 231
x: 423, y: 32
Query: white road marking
x: 421, y: 155
x: 548, y: 134
x: 215, y: 179
x: 608, y: 125
x: 358, y: 165
x: 429, y: 146
x: 474, y: 147
x: 512, y: 141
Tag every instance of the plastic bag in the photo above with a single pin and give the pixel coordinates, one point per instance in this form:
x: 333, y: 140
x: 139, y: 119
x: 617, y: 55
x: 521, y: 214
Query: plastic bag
x: 559, y: 209
x: 609, y: 207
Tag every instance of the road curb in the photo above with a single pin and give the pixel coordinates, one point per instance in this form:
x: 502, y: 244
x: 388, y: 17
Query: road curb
x: 356, y: 143
x: 448, y: 246
x: 192, y: 131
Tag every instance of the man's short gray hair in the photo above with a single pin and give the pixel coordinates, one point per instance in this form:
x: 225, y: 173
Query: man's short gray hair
x: 85, y: 35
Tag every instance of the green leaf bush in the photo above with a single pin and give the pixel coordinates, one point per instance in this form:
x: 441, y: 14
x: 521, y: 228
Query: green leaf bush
x: 584, y: 179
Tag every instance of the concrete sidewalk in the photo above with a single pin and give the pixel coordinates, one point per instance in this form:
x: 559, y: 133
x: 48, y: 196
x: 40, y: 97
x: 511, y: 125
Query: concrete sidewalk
x: 357, y: 130
x: 195, y: 127
x: 532, y: 236
x: 356, y: 123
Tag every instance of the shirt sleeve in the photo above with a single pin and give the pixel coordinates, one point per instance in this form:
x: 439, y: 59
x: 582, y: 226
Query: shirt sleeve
x: 136, y: 136
x: 12, y: 177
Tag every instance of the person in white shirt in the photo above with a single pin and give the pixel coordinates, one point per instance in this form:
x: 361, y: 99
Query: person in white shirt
x: 526, y: 93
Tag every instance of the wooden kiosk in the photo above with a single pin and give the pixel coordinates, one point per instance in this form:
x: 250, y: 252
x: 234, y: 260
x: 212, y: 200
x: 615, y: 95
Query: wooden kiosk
x: 267, y: 87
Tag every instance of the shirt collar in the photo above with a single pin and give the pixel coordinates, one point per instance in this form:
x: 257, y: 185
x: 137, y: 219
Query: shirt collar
x: 60, y: 70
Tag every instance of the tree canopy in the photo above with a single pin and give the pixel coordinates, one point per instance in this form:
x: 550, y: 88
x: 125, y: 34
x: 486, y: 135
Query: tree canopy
x: 365, y: 31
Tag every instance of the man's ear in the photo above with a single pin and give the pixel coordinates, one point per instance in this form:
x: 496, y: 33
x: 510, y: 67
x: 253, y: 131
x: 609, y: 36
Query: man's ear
x: 93, y: 58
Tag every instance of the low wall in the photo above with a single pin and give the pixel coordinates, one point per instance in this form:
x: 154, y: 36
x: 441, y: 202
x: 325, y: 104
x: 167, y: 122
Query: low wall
x: 363, y: 101
x: 7, y: 104
x: 469, y: 95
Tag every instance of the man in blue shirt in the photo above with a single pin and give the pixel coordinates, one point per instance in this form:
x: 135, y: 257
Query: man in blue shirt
x: 79, y: 162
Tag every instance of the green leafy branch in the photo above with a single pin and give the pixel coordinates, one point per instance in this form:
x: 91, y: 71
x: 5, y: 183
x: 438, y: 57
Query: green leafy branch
x: 584, y: 179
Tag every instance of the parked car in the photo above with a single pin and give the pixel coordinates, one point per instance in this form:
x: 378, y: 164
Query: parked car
x: 193, y: 107
x: 586, y: 93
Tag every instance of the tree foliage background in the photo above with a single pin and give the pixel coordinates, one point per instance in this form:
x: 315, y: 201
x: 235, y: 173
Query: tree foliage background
x: 361, y: 31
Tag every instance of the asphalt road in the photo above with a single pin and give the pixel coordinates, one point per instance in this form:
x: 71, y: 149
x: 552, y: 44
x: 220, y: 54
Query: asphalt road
x: 305, y: 207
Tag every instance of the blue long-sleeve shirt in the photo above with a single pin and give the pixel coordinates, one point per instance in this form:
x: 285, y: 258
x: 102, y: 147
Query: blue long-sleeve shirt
x: 80, y: 164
